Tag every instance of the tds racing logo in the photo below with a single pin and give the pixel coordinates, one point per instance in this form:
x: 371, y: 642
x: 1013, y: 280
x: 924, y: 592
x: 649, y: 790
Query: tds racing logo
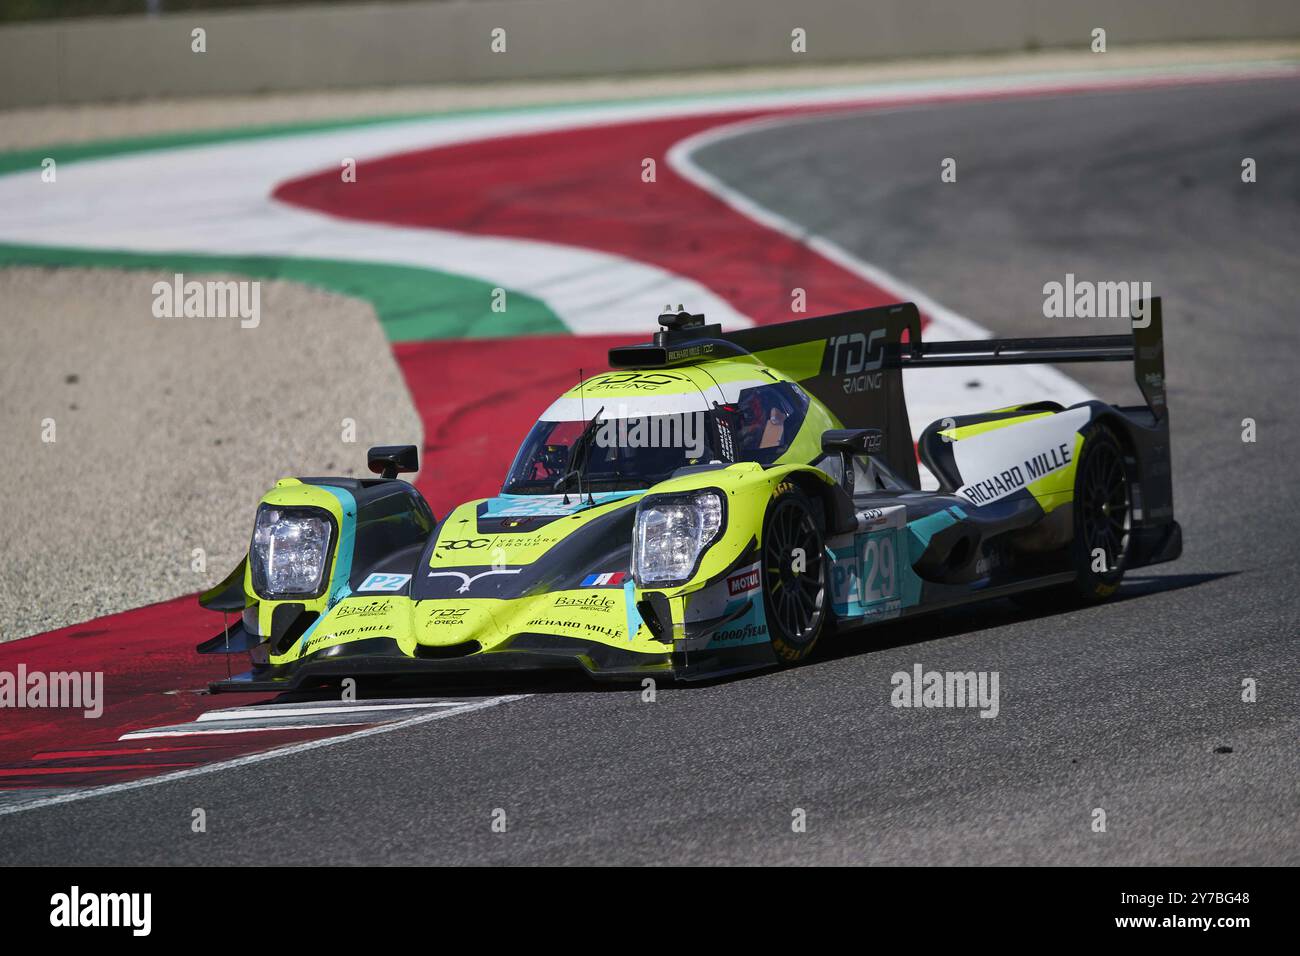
x: 448, y: 615
x: 858, y: 358
x: 636, y: 381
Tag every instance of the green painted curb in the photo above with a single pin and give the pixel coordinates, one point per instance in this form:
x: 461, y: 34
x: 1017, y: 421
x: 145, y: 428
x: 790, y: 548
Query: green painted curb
x: 413, y: 304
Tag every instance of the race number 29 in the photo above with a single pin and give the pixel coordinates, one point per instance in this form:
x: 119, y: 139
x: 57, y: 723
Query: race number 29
x: 879, y: 569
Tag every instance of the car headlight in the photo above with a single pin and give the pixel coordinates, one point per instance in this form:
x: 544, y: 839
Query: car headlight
x: 291, y: 547
x: 671, y: 534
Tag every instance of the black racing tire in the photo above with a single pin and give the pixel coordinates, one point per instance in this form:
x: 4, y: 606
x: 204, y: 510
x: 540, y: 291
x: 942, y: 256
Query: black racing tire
x: 1102, y: 514
x: 1103, y: 517
x: 795, y: 593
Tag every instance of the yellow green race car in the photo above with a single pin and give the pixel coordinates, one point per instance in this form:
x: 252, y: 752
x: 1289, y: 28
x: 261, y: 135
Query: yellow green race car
x: 716, y: 502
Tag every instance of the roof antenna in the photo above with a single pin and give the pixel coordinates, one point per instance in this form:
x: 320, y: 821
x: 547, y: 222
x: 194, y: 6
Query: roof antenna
x: 586, y: 451
x: 582, y: 410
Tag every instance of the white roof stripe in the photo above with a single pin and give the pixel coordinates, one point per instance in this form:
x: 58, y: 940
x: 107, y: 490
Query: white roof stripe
x: 569, y: 408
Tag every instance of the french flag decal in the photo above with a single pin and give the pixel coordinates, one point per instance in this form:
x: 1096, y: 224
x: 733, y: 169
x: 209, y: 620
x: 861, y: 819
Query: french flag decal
x: 600, y: 580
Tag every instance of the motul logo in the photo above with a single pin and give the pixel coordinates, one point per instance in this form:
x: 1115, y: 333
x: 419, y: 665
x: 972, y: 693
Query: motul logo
x: 740, y: 583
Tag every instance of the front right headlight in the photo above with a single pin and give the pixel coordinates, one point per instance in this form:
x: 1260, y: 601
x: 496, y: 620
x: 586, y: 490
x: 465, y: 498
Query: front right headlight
x: 672, y: 532
x: 291, y: 547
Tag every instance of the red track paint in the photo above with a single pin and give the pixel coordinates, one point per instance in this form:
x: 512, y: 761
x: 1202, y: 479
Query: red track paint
x: 143, y: 654
x: 7, y: 772
x: 582, y: 187
x: 91, y: 754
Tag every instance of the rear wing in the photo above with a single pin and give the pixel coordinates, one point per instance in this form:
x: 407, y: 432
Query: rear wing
x: 1144, y: 347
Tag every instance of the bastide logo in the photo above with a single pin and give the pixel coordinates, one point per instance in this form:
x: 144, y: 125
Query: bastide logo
x: 78, y: 909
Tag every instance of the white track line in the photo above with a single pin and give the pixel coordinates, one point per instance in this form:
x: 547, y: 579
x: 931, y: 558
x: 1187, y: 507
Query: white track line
x: 229, y: 731
x: 275, y: 712
x: 245, y: 761
x: 274, y: 717
x: 214, y: 730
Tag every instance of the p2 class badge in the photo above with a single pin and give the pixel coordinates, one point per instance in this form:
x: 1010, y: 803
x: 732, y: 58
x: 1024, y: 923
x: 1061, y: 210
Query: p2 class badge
x: 383, y: 582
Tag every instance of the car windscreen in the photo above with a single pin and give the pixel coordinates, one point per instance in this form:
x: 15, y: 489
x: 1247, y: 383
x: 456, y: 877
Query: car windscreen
x: 622, y: 454
x: 628, y: 451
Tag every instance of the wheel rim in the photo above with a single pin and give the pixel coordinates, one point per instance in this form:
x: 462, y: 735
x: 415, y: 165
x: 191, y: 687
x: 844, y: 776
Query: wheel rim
x: 1106, y: 514
x: 796, y: 598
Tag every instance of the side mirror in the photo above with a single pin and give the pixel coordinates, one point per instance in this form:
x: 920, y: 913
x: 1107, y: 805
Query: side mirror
x: 848, y: 442
x: 388, y: 461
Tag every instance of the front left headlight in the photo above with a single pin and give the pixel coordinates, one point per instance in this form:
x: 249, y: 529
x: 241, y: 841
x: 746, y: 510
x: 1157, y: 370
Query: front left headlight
x: 291, y: 547
x: 672, y: 532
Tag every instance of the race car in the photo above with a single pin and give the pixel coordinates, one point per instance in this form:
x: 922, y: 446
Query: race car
x: 715, y: 502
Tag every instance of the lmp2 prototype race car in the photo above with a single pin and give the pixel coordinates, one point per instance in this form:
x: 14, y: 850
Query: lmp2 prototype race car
x: 716, y: 502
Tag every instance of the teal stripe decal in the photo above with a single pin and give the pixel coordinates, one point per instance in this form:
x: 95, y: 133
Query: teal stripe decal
x: 633, y: 615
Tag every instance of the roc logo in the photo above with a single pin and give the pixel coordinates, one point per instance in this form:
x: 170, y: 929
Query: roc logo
x: 742, y: 583
x: 460, y: 544
x: 603, y: 580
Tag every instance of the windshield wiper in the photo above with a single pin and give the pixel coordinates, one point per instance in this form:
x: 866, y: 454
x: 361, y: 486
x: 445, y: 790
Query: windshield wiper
x: 580, y: 451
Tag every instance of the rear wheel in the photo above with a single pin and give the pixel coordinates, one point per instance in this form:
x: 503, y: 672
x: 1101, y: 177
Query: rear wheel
x: 794, y: 574
x: 1103, y: 517
x: 1103, y: 521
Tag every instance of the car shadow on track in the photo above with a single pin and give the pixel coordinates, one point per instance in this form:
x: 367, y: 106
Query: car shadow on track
x: 953, y: 622
x: 461, y: 687
x: 972, y: 618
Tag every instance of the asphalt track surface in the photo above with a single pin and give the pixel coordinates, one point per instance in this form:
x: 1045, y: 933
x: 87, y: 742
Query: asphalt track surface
x: 1133, y: 707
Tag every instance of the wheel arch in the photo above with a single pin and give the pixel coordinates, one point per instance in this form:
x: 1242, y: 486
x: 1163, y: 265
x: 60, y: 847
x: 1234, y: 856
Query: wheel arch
x: 834, y: 508
x: 1121, y: 429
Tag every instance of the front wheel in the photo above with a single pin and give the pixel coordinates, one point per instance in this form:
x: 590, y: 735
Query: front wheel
x: 794, y: 574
